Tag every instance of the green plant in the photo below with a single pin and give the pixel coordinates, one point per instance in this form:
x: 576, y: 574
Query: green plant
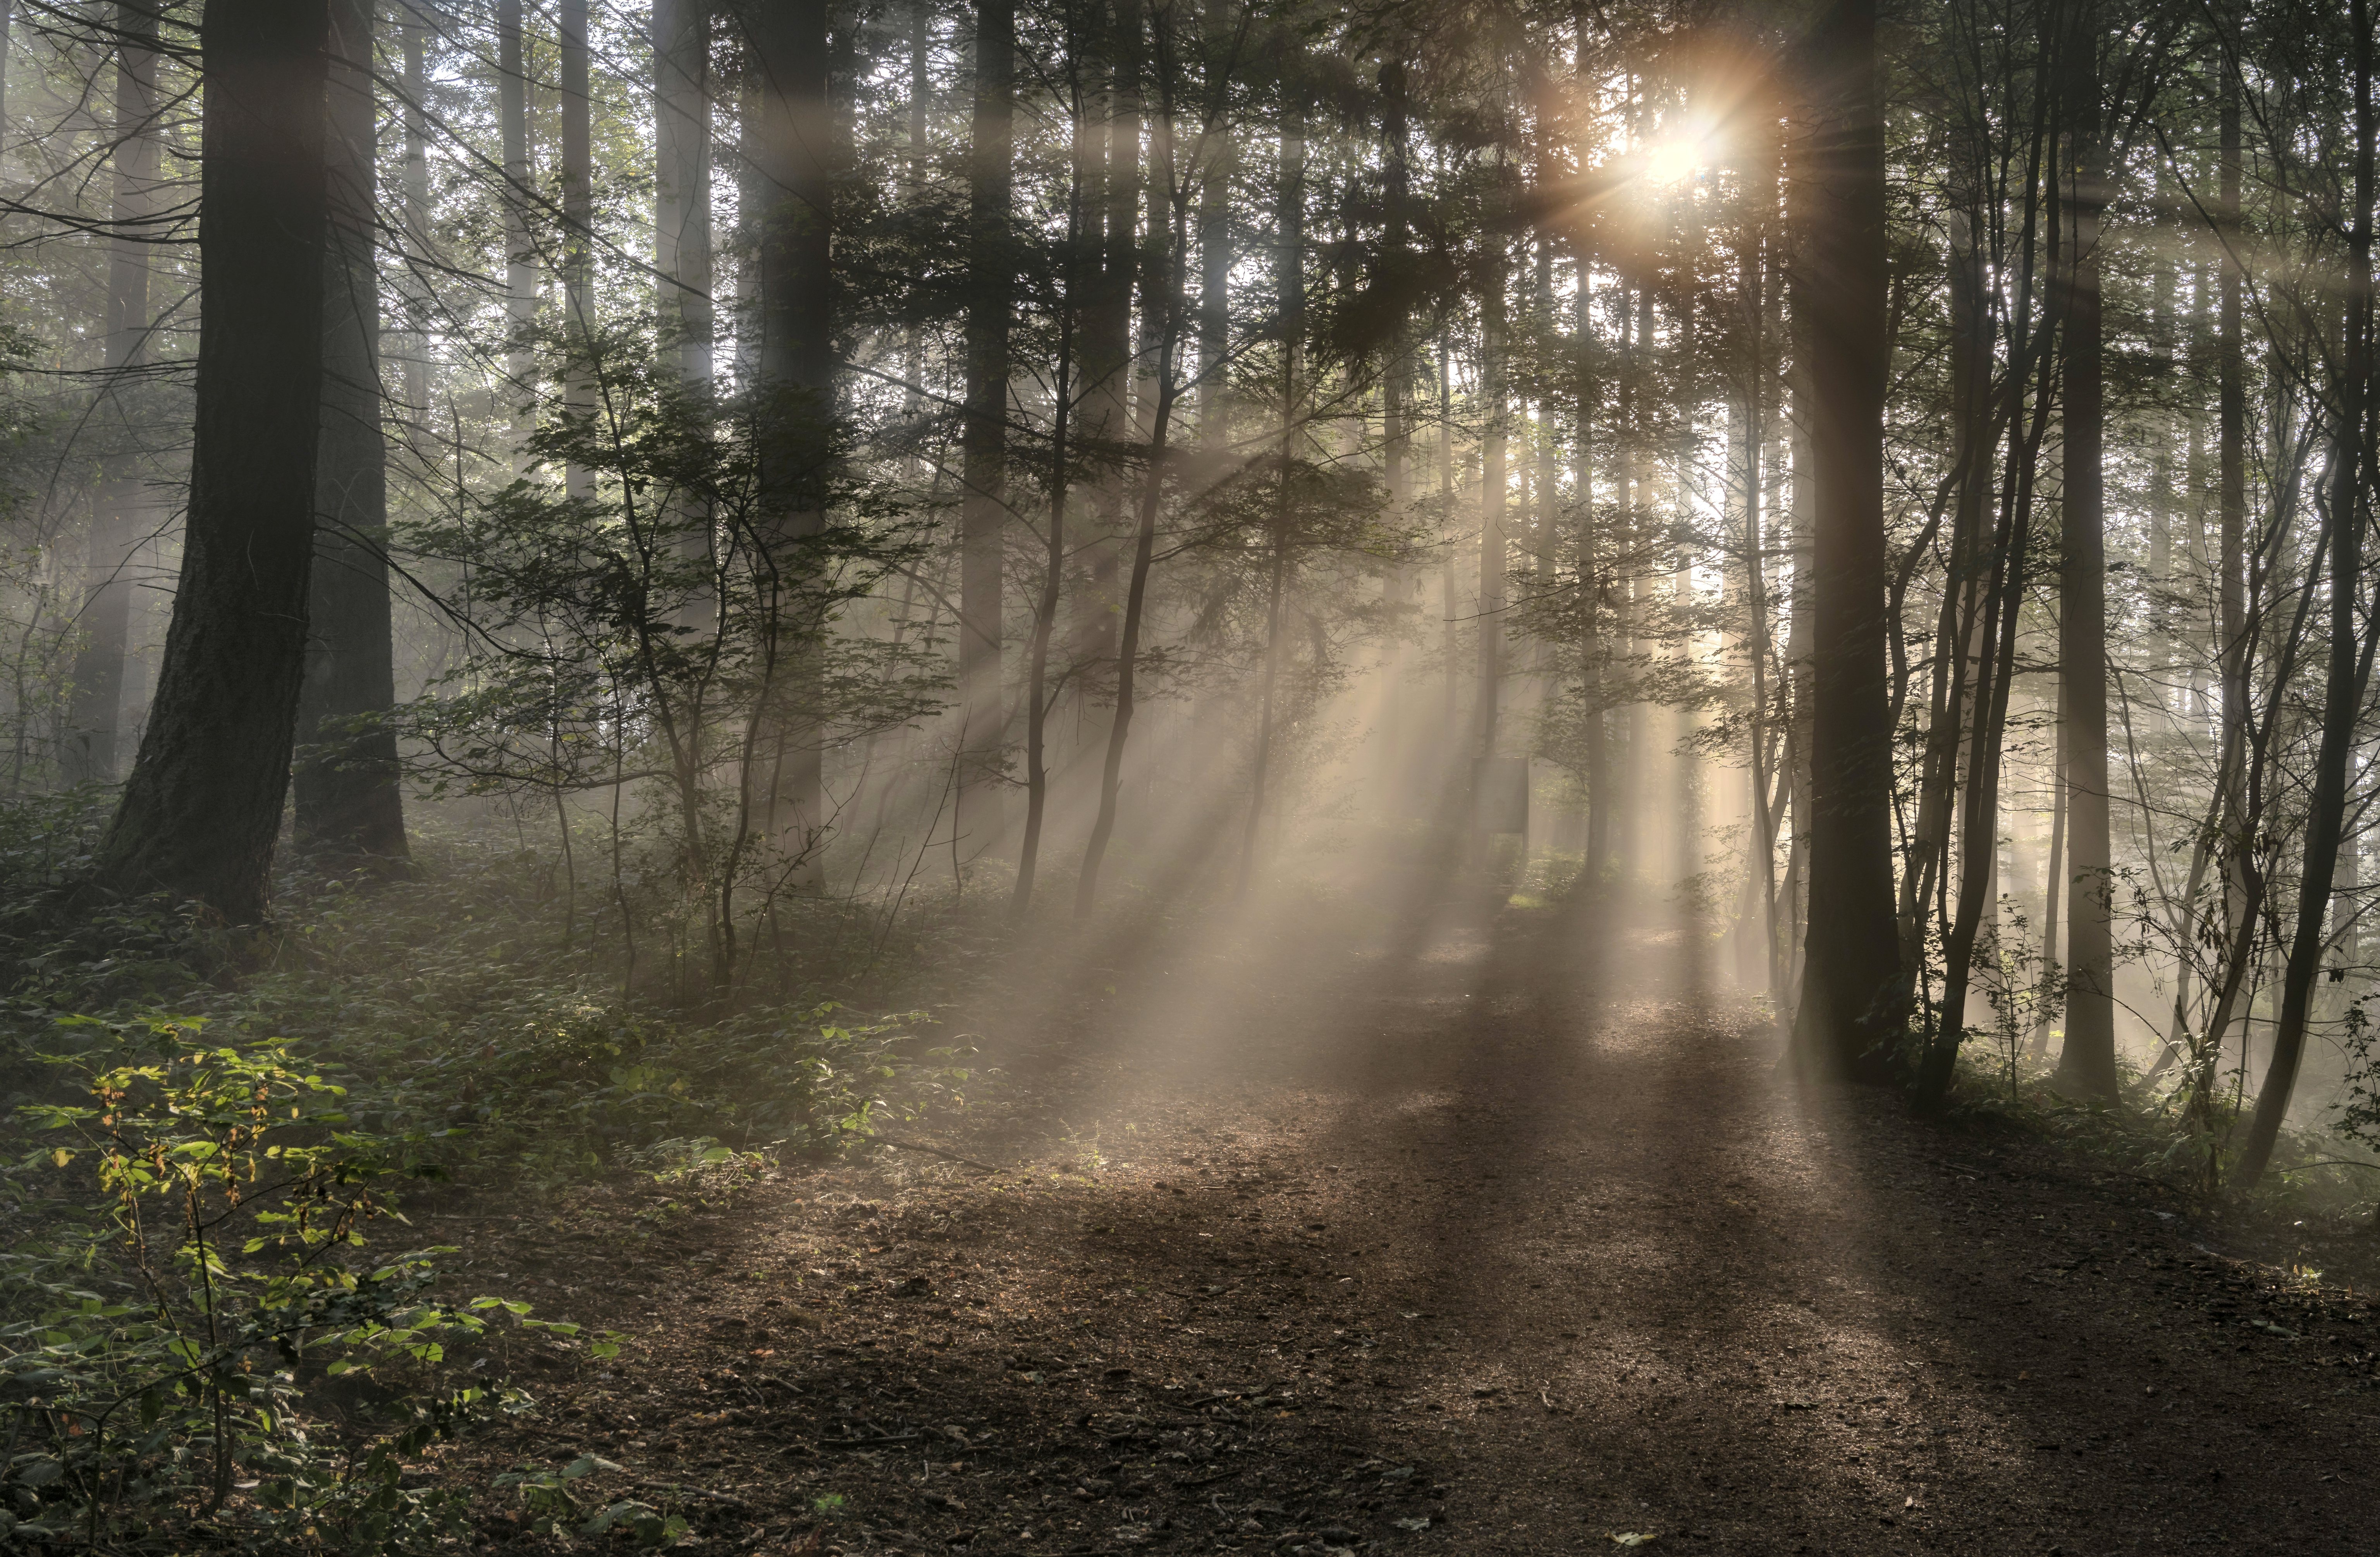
x: 549, y: 1498
x: 234, y: 1193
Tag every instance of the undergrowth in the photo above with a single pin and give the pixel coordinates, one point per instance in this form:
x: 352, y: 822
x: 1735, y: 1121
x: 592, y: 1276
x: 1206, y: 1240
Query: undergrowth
x: 212, y: 1326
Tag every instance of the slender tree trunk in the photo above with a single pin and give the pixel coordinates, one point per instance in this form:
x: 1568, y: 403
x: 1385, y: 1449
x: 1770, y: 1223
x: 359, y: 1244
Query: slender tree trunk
x: 2053, y: 880
x: 983, y: 510
x: 351, y: 807
x: 203, y: 804
x: 1593, y: 582
x: 2087, y: 1063
x: 579, y: 222
x: 1217, y: 160
x: 1852, y: 970
x: 95, y: 714
x: 1494, y: 548
x: 1164, y: 306
x: 520, y: 247
x: 792, y: 169
x: 414, y: 35
x: 1289, y: 303
x: 2350, y: 656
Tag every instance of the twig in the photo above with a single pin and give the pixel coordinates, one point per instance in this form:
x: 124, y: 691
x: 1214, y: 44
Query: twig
x: 873, y: 1139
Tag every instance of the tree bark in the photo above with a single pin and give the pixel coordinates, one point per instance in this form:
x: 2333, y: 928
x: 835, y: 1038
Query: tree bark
x: 199, y: 813
x: 520, y: 252
x: 95, y: 714
x: 350, y: 806
x: 1847, y: 1015
x: 577, y: 226
x: 682, y: 249
x: 2087, y: 1063
x: 983, y: 509
x: 792, y: 168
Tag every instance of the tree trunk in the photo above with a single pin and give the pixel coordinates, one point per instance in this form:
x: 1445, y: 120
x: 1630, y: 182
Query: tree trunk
x: 792, y: 168
x: 414, y: 34
x: 520, y: 251
x: 1163, y: 308
x: 682, y: 183
x: 2087, y: 1063
x: 577, y: 226
x: 1217, y: 159
x: 351, y: 807
x: 2350, y: 657
x: 203, y: 804
x: 983, y: 509
x: 1289, y: 305
x: 95, y: 714
x: 1851, y: 969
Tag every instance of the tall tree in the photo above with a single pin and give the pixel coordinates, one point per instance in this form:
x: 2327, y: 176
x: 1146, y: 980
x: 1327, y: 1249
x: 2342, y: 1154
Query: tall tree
x: 578, y: 320
x: 1851, y: 962
x: 983, y: 507
x: 2087, y: 1063
x: 349, y: 804
x: 203, y: 804
x: 2350, y: 476
x: 521, y: 246
x: 96, y: 715
x: 681, y: 84
x: 792, y: 164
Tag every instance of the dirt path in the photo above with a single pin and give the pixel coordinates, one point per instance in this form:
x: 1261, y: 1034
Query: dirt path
x: 1462, y: 1241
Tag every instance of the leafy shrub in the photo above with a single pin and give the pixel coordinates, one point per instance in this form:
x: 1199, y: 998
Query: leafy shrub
x: 234, y: 1197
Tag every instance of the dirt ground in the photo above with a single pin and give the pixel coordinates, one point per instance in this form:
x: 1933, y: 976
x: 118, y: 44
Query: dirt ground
x: 1497, y: 1236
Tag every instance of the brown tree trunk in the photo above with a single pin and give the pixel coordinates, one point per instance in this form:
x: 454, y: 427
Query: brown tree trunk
x: 1851, y: 969
x: 793, y: 167
x: 983, y: 510
x: 2087, y: 1063
x: 203, y: 804
x: 351, y: 807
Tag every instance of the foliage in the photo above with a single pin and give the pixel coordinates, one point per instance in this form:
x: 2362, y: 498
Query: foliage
x: 158, y: 1357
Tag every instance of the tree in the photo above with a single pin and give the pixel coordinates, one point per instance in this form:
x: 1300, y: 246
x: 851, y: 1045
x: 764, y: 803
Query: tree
x: 202, y: 806
x: 2087, y: 1063
x: 348, y: 803
x: 1852, y: 967
x: 983, y: 508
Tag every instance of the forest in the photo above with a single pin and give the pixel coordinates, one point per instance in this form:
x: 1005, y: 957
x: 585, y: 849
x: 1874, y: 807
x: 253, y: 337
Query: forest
x: 822, y: 776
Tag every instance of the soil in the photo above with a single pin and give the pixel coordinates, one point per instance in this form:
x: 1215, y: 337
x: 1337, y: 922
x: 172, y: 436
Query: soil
x: 1470, y: 1237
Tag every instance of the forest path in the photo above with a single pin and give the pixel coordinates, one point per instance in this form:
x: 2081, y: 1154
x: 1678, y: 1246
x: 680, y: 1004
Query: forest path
x: 1329, y: 1236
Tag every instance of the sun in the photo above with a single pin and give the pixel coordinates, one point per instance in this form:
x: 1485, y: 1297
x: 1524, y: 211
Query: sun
x: 1673, y: 160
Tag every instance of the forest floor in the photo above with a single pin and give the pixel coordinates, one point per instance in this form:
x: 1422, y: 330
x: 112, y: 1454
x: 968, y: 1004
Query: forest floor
x: 1479, y: 1234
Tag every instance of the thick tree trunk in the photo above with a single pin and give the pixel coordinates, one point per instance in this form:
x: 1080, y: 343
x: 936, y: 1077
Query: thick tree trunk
x: 95, y: 714
x: 792, y: 169
x: 682, y: 249
x: 2350, y: 656
x: 983, y: 509
x: 351, y: 807
x: 2087, y: 1063
x: 1852, y: 971
x: 203, y: 804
